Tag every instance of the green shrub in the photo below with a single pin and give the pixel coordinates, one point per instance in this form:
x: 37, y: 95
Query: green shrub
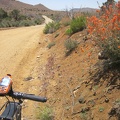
x: 3, y: 14
x: 51, y: 27
x: 38, y: 21
x: 7, y: 23
x: 14, y: 23
x: 15, y: 14
x: 46, y: 29
x: 26, y: 23
x: 76, y: 25
x: 4, y: 23
x: 111, y: 48
x: 51, y: 45
x: 70, y: 45
x: 101, y: 109
x: 45, y: 113
x: 15, y: 19
x: 84, y: 116
x: 69, y: 32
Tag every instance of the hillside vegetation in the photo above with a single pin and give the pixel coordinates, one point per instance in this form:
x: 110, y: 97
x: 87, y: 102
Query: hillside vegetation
x: 16, y: 19
x: 26, y: 9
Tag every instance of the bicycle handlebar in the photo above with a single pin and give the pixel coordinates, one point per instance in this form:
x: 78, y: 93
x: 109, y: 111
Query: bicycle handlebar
x: 6, y: 89
x: 19, y: 95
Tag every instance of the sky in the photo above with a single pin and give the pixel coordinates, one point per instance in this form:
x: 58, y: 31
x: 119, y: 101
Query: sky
x: 66, y: 4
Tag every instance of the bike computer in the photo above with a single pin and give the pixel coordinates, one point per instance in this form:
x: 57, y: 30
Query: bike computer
x: 5, y: 85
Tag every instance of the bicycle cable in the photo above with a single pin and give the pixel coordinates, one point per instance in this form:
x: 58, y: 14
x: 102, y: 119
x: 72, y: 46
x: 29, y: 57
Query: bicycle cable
x: 3, y: 105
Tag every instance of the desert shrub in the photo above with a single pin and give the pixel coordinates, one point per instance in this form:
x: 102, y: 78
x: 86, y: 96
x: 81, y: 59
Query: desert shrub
x: 15, y: 14
x: 70, y: 45
x: 69, y: 32
x: 14, y: 24
x: 4, y: 23
x: 26, y: 23
x: 46, y: 29
x: 3, y: 14
x: 112, y: 48
x: 56, y: 16
x: 45, y: 113
x: 11, y: 23
x: 106, y: 31
x: 51, y: 27
x: 38, y: 21
x: 15, y: 19
x: 51, y: 44
x: 77, y: 24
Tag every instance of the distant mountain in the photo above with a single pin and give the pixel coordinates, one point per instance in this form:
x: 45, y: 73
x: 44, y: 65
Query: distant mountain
x: 27, y: 9
x: 84, y: 9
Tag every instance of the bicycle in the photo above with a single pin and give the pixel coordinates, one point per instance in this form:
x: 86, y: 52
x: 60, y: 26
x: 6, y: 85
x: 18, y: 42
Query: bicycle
x: 12, y: 109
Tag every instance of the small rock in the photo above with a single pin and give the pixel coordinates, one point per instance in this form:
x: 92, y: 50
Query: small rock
x: 85, y: 109
x: 59, y: 74
x: 81, y: 100
x: 58, y: 66
x: 106, y: 100
x: 85, y: 38
x: 38, y: 56
x: 102, y: 55
x: 94, y: 94
x: 80, y: 35
x: 28, y: 78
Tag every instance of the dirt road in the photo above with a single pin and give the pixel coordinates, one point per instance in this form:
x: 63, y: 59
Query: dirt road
x: 14, y: 46
x: 19, y: 50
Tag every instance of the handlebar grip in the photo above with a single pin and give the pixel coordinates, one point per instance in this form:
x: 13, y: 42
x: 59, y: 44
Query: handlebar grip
x: 33, y: 97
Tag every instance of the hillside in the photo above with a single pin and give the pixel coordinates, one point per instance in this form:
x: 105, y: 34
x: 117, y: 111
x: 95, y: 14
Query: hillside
x: 75, y: 85
x: 89, y: 10
x: 13, y: 4
x: 24, y: 8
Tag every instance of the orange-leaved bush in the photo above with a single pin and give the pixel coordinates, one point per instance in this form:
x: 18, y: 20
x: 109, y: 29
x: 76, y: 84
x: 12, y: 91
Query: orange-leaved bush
x: 106, y: 30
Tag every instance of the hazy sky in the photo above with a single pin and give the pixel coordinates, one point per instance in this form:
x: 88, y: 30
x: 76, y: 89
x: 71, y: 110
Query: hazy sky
x: 63, y: 4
